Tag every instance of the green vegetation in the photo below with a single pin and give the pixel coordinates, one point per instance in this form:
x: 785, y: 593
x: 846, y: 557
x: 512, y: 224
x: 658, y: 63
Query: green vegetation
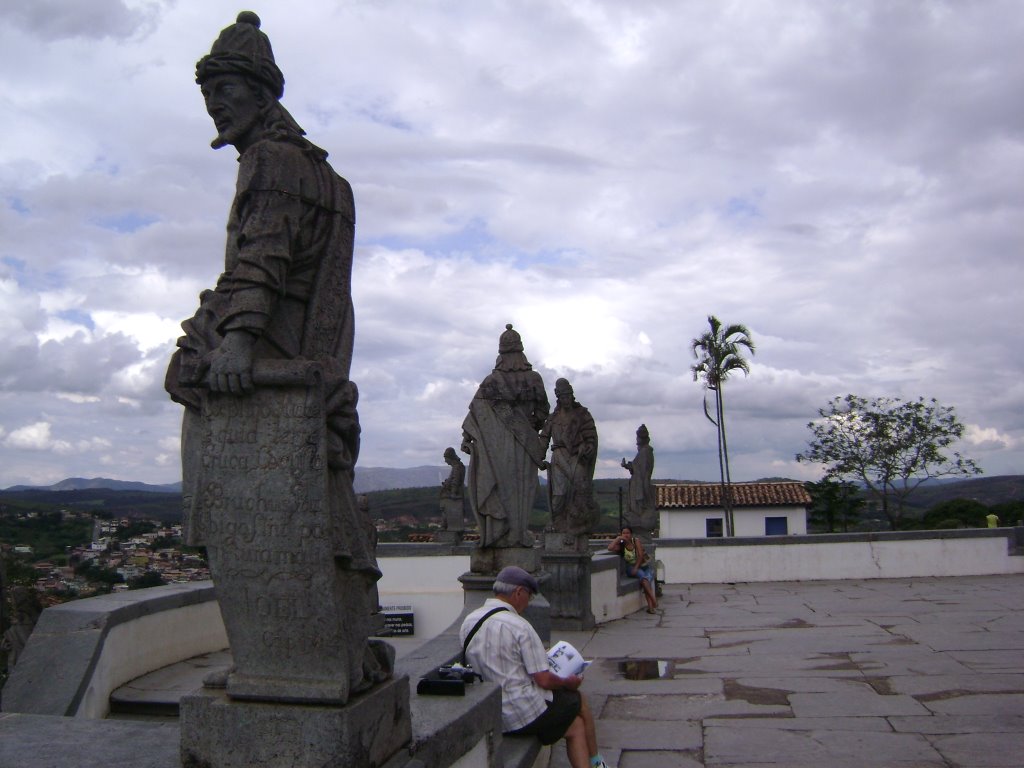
x: 48, y: 533
x: 836, y: 505
x: 147, y: 579
x: 887, y: 445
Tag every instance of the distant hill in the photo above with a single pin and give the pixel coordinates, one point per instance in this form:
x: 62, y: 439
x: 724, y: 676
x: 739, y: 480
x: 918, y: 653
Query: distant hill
x: 414, y: 491
x: 81, y: 484
x: 987, y: 490
x: 368, y: 479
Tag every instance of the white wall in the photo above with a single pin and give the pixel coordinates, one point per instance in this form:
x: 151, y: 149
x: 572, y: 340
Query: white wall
x: 690, y: 523
x: 820, y: 559
x: 430, y: 585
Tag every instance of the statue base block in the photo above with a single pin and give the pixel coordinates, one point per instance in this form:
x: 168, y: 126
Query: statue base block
x: 568, y: 590
x: 447, y: 537
x: 220, y: 732
x: 490, y: 560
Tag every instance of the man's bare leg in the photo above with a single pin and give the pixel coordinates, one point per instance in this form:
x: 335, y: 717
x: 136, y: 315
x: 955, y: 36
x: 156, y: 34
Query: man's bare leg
x: 590, y: 731
x: 576, y: 744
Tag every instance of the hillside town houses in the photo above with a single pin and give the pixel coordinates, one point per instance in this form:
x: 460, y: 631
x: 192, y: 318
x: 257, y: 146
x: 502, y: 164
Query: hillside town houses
x: 155, y: 551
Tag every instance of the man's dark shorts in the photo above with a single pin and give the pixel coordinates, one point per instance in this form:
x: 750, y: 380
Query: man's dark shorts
x: 554, y: 721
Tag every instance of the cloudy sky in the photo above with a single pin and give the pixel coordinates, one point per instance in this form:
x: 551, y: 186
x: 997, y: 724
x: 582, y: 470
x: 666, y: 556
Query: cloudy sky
x: 845, y: 178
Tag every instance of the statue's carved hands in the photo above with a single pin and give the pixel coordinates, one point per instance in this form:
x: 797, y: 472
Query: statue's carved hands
x: 586, y: 451
x: 231, y: 364
x: 467, y: 446
x: 544, y: 466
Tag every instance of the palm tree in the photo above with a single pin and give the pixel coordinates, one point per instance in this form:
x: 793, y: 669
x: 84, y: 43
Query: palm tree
x: 718, y: 355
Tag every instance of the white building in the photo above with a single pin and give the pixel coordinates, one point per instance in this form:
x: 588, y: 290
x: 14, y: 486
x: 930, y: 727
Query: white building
x: 694, y: 510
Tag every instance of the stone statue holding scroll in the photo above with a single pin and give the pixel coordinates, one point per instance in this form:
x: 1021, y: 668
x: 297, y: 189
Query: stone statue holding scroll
x: 452, y: 495
x: 500, y: 436
x: 271, y: 433
x: 572, y: 434
x: 641, y: 506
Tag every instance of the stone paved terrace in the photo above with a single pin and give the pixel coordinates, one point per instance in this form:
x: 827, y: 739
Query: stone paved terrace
x: 908, y: 672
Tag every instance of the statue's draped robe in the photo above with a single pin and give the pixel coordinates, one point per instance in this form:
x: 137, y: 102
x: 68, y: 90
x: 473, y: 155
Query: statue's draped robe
x: 287, y: 280
x: 571, y: 476
x: 504, y: 417
x: 642, y: 503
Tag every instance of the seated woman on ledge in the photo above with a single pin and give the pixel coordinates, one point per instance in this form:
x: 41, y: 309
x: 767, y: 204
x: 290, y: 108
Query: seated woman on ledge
x: 638, y: 564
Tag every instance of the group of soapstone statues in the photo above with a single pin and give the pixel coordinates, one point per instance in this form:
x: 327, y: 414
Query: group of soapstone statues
x: 507, y: 434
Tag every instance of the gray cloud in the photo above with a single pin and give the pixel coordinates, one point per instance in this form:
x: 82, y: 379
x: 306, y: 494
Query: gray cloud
x: 845, y: 179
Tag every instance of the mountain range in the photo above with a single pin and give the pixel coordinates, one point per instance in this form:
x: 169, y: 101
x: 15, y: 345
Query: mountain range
x: 368, y: 479
x: 987, y: 490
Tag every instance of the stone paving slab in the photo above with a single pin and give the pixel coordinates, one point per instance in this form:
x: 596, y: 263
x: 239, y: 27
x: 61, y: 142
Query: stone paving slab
x: 879, y: 724
x: 964, y: 703
x: 853, y: 703
x: 959, y: 724
x: 773, y: 746
x: 980, y: 750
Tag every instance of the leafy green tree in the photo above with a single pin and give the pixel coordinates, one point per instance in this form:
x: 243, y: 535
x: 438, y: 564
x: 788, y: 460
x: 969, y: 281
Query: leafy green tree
x: 965, y: 513
x: 719, y: 354
x: 889, y: 445
x: 835, y: 503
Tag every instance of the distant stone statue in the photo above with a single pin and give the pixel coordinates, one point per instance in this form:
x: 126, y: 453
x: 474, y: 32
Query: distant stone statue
x: 641, y: 507
x: 270, y: 434
x: 572, y: 434
x: 453, y: 486
x: 500, y: 434
x: 24, y: 615
x: 453, y: 493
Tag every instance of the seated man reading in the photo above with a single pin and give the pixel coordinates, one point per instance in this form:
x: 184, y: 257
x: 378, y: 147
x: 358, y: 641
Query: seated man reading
x: 535, y: 701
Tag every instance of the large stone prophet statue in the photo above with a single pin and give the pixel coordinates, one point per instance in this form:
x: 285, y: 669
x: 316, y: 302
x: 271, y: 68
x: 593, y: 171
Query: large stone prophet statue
x: 641, y: 505
x: 500, y: 436
x: 572, y: 434
x: 270, y: 433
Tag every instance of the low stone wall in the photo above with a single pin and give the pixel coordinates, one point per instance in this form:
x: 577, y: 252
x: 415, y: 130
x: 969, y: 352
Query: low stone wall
x: 881, y: 555
x: 81, y: 651
x: 613, y: 594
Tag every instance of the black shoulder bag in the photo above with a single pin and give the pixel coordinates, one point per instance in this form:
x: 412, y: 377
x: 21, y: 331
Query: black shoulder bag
x: 449, y: 680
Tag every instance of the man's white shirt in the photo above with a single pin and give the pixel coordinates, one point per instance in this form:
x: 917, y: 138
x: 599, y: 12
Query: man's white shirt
x: 507, y: 650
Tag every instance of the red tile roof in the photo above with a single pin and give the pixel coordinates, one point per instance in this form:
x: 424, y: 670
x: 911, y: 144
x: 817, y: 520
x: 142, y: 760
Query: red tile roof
x: 685, y: 495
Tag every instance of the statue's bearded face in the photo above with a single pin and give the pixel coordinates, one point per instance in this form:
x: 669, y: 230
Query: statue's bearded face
x: 232, y: 102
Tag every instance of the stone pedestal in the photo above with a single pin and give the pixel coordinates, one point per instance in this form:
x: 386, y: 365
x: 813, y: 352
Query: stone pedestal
x: 448, y: 537
x: 568, y: 589
x: 220, y: 732
x: 484, y: 560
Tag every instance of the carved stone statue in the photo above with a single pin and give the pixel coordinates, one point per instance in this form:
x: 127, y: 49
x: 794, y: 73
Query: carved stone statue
x: 25, y: 610
x: 572, y: 434
x: 500, y: 436
x: 641, y: 506
x: 453, y: 486
x: 270, y: 434
x: 452, y: 493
